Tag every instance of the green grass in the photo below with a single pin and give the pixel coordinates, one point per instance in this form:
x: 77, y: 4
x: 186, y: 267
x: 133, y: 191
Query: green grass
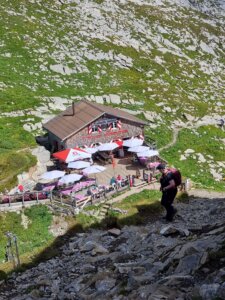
x: 205, y: 140
x: 25, y: 83
x: 139, y: 208
x: 161, y: 134
x: 13, y: 163
x: 13, y: 160
x: 35, y: 236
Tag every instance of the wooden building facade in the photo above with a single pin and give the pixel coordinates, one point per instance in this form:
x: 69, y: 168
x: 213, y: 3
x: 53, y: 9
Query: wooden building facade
x: 86, y: 124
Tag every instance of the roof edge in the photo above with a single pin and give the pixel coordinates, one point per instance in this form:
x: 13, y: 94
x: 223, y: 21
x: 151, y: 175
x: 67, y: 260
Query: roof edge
x: 74, y: 132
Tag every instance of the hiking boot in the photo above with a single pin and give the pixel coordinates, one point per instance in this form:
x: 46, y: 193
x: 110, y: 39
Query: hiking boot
x: 174, y: 212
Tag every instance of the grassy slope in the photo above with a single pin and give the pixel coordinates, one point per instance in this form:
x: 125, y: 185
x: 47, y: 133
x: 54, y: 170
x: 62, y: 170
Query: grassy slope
x: 27, y: 78
x: 35, y: 236
x: 205, y: 140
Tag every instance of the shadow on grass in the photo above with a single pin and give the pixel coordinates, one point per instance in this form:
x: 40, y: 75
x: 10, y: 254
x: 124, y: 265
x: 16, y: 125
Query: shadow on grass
x: 144, y: 214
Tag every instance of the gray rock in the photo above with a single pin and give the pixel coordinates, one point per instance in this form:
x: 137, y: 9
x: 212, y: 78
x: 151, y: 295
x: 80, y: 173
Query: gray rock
x: 209, y: 291
x: 115, y: 99
x: 114, y: 231
x: 188, y: 264
x: 177, y: 280
x: 105, y: 285
x: 169, y: 230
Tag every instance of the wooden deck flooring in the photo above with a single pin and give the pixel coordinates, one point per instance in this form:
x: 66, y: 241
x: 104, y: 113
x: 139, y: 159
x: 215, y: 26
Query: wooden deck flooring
x: 123, y: 167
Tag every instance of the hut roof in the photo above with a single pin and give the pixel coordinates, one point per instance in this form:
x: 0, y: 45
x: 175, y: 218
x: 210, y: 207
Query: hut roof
x: 80, y: 115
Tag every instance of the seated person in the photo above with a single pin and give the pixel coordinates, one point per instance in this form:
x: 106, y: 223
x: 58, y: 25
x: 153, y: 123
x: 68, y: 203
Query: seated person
x: 89, y: 193
x: 119, y: 180
x: 113, y: 182
x: 138, y: 173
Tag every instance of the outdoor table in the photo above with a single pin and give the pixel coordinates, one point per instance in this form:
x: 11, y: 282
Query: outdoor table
x: 48, y: 188
x: 79, y: 197
x: 66, y: 192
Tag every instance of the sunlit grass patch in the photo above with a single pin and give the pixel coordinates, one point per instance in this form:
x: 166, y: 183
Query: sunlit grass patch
x: 138, y: 208
x: 35, y: 235
x: 205, y: 140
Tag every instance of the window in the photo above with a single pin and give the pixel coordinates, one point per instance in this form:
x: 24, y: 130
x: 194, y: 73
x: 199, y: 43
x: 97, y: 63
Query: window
x: 104, y: 127
x: 94, y: 128
x: 114, y: 125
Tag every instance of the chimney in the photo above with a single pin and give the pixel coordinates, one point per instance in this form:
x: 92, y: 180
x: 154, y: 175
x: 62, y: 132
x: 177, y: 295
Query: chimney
x: 73, y: 111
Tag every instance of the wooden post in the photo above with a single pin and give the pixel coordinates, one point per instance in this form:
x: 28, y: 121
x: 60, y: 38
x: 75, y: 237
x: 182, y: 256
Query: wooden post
x: 23, y: 200
x: 9, y: 200
x: 37, y: 198
x: 17, y: 251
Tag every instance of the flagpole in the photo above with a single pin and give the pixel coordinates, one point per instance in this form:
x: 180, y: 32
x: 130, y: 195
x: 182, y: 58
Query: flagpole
x: 113, y: 163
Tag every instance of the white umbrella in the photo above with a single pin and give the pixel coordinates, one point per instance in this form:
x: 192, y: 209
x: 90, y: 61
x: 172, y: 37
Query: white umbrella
x: 108, y: 146
x: 148, y: 153
x: 133, y: 142
x: 70, y: 178
x: 91, y: 150
x: 138, y: 149
x: 53, y: 174
x: 79, y: 164
x: 94, y: 169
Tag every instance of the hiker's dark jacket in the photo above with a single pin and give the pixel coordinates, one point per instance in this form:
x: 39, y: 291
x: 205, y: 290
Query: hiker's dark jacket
x: 165, y: 179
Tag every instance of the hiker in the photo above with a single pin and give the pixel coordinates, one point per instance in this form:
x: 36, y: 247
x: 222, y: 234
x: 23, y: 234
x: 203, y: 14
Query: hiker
x: 221, y: 124
x: 169, y: 191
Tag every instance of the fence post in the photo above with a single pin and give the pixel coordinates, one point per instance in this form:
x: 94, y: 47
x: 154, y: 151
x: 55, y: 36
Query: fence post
x: 17, y: 250
x: 12, y: 251
x: 9, y: 200
x: 37, y: 198
x: 23, y: 200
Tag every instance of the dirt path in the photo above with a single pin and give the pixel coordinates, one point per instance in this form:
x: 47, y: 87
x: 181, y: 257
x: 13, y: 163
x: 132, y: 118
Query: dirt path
x: 155, y: 186
x: 174, y: 139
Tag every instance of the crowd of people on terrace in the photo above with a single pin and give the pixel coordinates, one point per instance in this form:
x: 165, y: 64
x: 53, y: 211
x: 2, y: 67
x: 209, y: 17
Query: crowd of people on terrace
x: 86, y: 186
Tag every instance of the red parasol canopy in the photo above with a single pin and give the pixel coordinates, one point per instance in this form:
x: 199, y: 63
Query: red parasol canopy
x: 71, y: 154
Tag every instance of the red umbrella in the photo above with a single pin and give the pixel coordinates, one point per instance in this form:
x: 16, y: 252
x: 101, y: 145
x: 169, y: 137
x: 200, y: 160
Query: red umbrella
x: 71, y: 154
x: 119, y: 143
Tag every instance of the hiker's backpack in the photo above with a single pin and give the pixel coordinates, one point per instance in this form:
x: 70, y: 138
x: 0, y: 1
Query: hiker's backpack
x: 176, y: 176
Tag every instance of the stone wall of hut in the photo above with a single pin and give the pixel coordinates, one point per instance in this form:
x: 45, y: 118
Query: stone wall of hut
x: 127, y: 130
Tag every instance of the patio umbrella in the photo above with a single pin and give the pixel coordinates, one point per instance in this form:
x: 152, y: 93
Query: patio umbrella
x: 91, y: 150
x: 71, y: 154
x: 94, y: 169
x: 50, y: 175
x: 70, y: 178
x: 108, y: 146
x: 148, y: 153
x: 138, y: 149
x: 133, y: 142
x: 79, y: 164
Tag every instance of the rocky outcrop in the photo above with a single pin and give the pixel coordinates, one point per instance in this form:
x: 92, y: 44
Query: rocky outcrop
x: 180, y: 260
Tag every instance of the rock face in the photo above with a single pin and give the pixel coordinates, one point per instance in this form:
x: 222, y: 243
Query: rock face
x: 181, y: 260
